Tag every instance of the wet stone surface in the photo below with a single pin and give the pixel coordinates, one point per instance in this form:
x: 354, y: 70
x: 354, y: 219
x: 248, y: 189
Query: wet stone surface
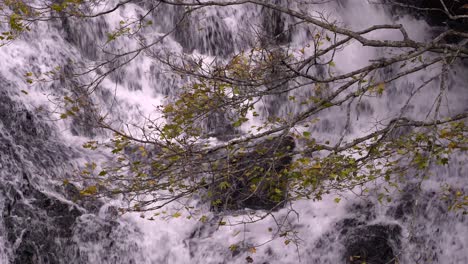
x: 372, y: 244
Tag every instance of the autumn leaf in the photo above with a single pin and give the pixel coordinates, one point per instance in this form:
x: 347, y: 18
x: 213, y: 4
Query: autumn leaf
x: 176, y: 215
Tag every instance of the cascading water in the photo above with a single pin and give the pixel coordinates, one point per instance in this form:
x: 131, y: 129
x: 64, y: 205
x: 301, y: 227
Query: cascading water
x: 42, y: 220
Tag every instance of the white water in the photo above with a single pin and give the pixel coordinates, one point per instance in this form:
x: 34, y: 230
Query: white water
x: 142, y: 85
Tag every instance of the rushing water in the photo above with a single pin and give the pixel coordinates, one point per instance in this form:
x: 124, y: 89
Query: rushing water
x: 42, y: 222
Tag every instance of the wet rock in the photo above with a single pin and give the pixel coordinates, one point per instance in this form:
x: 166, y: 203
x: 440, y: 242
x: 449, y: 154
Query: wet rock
x: 72, y: 193
x: 365, y: 210
x: 37, y: 223
x: 346, y: 225
x: 209, y: 35
x: 359, y: 242
x: 84, y: 36
x: 434, y: 13
x: 40, y: 225
x: 415, y: 207
x: 373, y: 244
x: 112, y: 212
x: 24, y: 137
x: 432, y: 9
x: 220, y: 127
x: 254, y: 178
x: 106, y: 241
x: 365, y: 108
x: 275, y: 27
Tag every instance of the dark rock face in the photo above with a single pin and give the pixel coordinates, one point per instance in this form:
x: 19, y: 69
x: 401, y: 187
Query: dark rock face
x: 360, y: 243
x: 277, y: 73
x: 274, y: 25
x: 23, y: 137
x: 209, y: 36
x: 220, y: 127
x: 255, y: 180
x: 434, y: 12
x: 372, y: 244
x: 43, y: 229
x: 433, y: 8
x: 83, y: 36
x: 418, y: 207
x: 40, y: 225
x: 39, y: 222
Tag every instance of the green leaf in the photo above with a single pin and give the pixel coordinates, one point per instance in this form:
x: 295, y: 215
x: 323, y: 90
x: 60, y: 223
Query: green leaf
x: 401, y: 151
x: 224, y: 185
x: 380, y: 88
x: 91, y: 190
x: 238, y: 123
x: 233, y: 247
x: 203, y: 219
x: 328, y: 104
x: 57, y: 7
x: 176, y: 215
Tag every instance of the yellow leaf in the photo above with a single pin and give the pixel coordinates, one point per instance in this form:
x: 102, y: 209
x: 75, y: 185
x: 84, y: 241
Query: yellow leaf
x: 176, y: 215
x: 380, y: 88
x: 203, y: 219
x: 233, y: 247
x: 89, y: 191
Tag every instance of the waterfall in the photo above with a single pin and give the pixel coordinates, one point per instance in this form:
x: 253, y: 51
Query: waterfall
x: 42, y: 221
